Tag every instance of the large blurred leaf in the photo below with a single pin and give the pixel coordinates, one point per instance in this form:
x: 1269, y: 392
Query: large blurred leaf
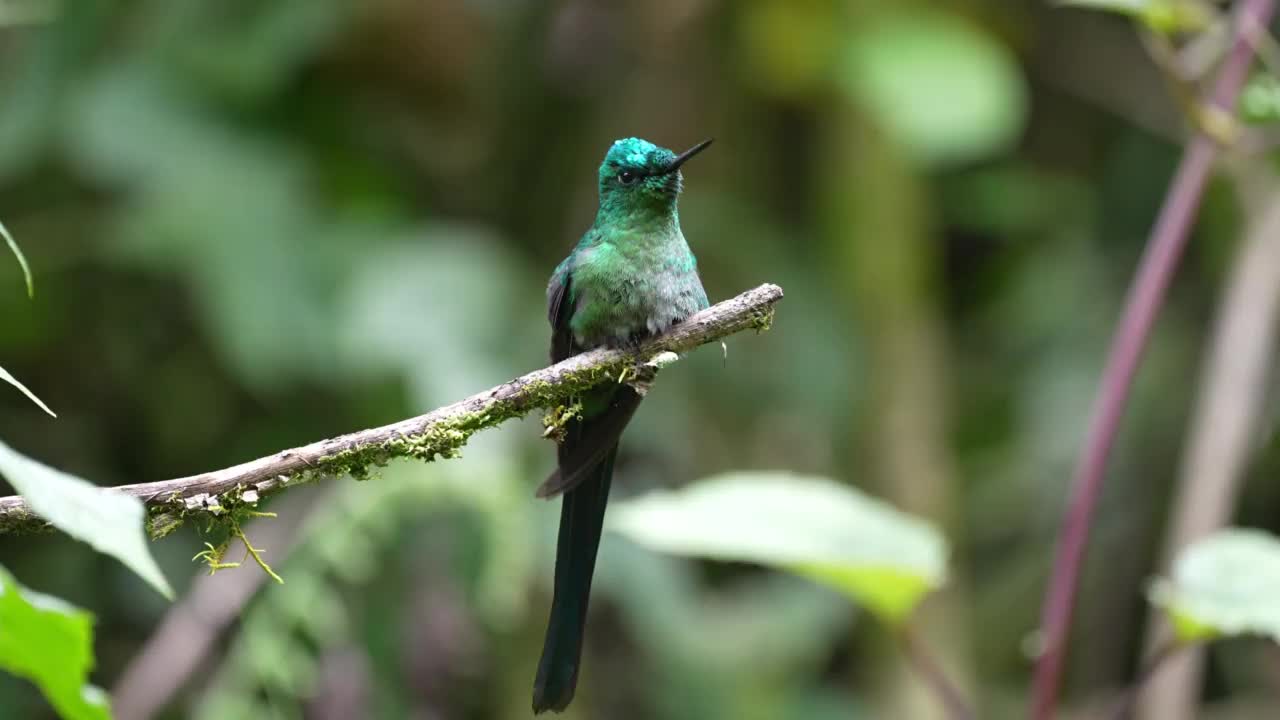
x: 1225, y: 584
x: 884, y: 559
x: 947, y: 90
x: 111, y: 522
x: 50, y: 643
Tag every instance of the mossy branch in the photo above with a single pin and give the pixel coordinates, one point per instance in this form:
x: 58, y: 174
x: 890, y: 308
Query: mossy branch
x: 439, y: 433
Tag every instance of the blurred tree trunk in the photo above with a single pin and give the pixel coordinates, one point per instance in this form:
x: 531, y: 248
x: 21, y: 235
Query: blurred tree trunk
x: 877, y: 227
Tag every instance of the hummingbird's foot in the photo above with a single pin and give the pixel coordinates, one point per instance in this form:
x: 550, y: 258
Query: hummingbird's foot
x: 640, y: 377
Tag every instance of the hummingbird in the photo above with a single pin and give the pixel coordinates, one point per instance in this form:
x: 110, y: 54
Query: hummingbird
x: 630, y: 277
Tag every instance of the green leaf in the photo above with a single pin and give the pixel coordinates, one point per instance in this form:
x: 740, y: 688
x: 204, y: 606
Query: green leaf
x: 4, y: 375
x: 111, y: 522
x: 26, y: 269
x: 50, y: 643
x: 884, y: 559
x: 1260, y: 99
x: 1163, y: 16
x: 1224, y: 584
x: 947, y: 90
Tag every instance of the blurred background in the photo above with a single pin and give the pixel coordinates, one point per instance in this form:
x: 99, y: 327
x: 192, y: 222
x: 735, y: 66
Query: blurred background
x: 255, y: 225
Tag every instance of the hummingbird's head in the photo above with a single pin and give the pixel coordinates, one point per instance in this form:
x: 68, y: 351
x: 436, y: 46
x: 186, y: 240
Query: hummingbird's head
x: 637, y: 175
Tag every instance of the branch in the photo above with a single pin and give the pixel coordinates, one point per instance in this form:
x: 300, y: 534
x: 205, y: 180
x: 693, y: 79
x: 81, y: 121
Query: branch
x: 439, y: 433
x: 1124, y: 708
x: 1146, y: 295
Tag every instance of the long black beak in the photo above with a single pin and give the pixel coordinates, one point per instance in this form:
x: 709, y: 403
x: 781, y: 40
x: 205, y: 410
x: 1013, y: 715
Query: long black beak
x: 684, y: 156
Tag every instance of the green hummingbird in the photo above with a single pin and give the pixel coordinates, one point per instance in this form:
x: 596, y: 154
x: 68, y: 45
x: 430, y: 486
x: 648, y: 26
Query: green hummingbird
x: 630, y: 277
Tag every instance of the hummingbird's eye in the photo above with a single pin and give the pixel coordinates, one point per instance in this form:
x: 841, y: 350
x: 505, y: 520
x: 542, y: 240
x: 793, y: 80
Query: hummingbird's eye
x: 626, y: 177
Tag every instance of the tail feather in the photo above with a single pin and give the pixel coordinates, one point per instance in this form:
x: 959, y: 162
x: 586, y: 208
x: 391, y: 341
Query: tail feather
x: 581, y: 523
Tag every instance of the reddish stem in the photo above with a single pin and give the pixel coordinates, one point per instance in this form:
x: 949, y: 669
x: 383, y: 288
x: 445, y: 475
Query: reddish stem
x: 1146, y: 294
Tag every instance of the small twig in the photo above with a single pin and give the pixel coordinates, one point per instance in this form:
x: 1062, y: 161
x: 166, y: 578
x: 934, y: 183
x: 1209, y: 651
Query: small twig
x: 1124, y: 708
x: 255, y: 552
x: 437, y: 433
x: 1164, y: 248
x: 931, y: 672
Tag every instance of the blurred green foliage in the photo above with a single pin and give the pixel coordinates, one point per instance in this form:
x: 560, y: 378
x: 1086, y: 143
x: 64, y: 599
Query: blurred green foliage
x: 255, y: 225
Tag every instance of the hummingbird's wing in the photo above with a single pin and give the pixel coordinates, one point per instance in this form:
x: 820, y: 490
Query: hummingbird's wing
x: 588, y: 442
x: 559, y: 311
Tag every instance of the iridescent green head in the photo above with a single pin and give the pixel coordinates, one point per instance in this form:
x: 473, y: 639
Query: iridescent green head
x: 637, y: 175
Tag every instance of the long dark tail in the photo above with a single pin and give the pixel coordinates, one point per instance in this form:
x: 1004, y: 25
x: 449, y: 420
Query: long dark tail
x: 581, y: 522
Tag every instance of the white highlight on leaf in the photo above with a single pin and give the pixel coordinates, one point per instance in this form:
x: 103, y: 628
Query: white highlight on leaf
x: 1224, y: 584
x: 4, y: 375
x: 26, y: 269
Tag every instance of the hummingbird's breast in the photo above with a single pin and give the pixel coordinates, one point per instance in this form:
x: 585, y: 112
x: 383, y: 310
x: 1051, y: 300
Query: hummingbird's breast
x: 629, y: 286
